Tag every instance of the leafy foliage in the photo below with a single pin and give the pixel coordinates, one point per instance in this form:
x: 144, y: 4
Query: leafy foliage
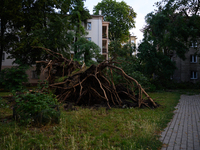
x: 13, y: 78
x: 41, y: 25
x: 9, y: 24
x: 173, y: 26
x: 131, y: 64
x: 169, y: 31
x: 78, y: 14
x: 36, y: 108
x: 121, y: 17
x: 155, y: 64
x: 86, y: 51
x: 133, y: 68
x: 116, y: 49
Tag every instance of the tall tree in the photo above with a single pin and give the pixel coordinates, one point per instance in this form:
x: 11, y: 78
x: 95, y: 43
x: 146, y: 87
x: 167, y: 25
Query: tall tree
x: 169, y: 30
x: 87, y: 51
x: 45, y: 26
x: 36, y: 16
x: 78, y: 14
x: 9, y: 17
x: 174, y: 25
x: 154, y: 63
x: 54, y: 24
x: 121, y: 17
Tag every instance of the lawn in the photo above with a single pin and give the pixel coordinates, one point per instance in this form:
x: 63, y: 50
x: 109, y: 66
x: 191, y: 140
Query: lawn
x: 86, y: 128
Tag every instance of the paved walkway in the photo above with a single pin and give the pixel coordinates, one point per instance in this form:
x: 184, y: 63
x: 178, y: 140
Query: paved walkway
x: 183, y: 132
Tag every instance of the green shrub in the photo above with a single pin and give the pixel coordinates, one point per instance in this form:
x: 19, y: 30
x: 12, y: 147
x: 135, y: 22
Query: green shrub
x: 3, y: 103
x: 13, y: 78
x: 188, y: 85
x: 36, y: 108
x: 173, y: 85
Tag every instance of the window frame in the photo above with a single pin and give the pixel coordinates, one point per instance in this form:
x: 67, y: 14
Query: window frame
x: 193, y: 58
x: 34, y: 74
x: 193, y: 75
x: 87, y: 38
x: 90, y: 26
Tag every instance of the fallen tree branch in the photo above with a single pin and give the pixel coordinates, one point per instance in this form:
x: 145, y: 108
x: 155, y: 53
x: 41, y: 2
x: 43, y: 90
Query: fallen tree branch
x: 94, y: 85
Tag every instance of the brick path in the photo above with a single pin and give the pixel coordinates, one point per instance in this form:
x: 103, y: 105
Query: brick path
x: 183, y: 132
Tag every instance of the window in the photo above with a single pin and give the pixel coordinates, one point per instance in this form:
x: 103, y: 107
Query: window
x: 193, y: 75
x: 88, y: 38
x: 34, y: 75
x: 193, y: 44
x: 193, y: 58
x: 3, y: 57
x: 89, y: 25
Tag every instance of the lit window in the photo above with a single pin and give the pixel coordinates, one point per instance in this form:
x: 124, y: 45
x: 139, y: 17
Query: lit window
x: 3, y: 57
x: 193, y: 75
x: 193, y: 58
x: 88, y: 38
x: 88, y: 25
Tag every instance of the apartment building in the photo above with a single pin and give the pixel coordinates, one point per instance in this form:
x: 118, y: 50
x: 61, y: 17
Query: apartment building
x: 189, y: 69
x: 98, y: 33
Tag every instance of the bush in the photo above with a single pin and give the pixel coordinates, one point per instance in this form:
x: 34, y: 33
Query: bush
x: 36, y: 108
x: 141, y: 79
x: 173, y: 85
x: 13, y: 78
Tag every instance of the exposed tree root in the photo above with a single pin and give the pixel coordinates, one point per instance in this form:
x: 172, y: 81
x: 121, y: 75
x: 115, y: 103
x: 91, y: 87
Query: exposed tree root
x: 80, y: 85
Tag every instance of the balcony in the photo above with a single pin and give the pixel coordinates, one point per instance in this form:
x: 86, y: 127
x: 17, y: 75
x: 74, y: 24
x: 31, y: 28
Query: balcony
x: 104, y: 32
x: 104, y: 50
x: 104, y: 35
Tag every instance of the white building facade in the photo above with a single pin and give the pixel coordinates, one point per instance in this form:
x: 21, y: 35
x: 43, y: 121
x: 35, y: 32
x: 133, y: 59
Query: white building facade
x: 98, y: 33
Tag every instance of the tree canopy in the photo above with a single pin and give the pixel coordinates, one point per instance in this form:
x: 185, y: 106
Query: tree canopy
x: 53, y: 24
x: 173, y: 26
x: 169, y: 30
x: 9, y: 19
x: 121, y: 17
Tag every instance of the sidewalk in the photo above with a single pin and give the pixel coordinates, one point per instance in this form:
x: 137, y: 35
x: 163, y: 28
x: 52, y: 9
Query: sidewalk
x: 183, y: 132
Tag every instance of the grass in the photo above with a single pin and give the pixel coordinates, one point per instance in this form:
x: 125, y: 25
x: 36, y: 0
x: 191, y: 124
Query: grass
x: 5, y: 94
x: 86, y: 128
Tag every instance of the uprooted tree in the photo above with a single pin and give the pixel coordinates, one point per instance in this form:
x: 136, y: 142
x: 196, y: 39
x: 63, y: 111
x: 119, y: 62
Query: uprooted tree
x: 89, y: 86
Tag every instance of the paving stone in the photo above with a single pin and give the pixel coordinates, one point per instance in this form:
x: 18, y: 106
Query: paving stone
x: 184, y: 129
x: 183, y: 147
x: 190, y: 148
x: 176, y: 147
x: 170, y: 148
x: 196, y: 147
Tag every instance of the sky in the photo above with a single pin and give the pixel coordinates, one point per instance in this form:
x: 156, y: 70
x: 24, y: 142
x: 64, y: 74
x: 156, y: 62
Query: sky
x: 141, y: 7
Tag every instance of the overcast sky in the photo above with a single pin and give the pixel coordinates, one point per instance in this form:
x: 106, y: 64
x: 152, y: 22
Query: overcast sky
x: 141, y: 7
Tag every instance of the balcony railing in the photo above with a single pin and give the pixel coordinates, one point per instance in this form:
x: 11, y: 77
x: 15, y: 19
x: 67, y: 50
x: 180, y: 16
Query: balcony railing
x: 104, y: 35
x: 104, y: 50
